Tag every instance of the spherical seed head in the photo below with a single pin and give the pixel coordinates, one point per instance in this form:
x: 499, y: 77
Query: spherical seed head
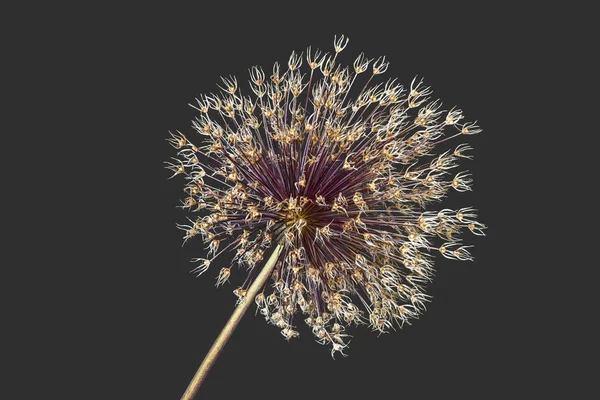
x: 344, y: 182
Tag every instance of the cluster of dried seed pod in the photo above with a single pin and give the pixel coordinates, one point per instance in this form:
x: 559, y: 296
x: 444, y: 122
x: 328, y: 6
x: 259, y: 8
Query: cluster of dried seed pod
x: 345, y: 182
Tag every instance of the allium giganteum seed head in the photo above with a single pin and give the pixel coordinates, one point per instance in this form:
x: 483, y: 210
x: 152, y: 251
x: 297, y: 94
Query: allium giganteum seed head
x: 345, y: 182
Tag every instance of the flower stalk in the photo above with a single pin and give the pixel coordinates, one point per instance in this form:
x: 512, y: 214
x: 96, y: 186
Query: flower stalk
x: 230, y: 326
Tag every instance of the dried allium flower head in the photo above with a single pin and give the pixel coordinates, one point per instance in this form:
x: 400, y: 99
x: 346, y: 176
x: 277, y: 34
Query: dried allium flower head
x: 343, y: 182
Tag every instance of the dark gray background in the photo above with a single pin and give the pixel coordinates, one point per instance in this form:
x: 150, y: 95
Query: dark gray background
x: 124, y: 318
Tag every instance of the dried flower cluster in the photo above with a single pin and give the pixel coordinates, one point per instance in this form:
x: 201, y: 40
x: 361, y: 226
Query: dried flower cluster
x: 342, y: 181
